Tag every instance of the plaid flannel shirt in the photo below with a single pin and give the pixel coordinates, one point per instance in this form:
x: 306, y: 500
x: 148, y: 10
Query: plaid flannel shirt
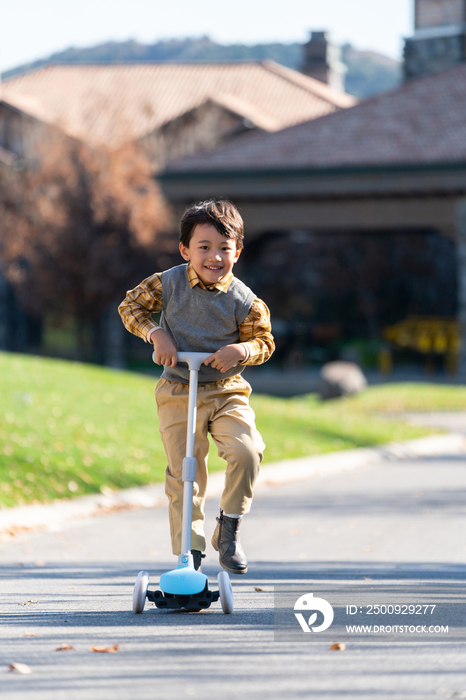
x: 141, y: 302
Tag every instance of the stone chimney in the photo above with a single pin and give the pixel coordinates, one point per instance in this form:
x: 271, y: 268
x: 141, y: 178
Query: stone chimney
x: 439, y: 39
x: 322, y: 61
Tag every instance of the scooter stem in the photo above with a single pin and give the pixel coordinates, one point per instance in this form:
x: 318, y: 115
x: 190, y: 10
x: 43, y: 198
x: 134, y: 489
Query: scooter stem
x: 194, y: 361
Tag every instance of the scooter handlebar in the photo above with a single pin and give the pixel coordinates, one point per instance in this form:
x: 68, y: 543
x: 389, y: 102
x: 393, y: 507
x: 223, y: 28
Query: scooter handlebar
x: 193, y: 359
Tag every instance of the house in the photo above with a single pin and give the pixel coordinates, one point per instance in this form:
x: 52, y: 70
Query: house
x: 395, y: 163
x: 174, y: 109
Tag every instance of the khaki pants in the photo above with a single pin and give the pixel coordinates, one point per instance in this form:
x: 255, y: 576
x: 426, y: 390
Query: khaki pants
x: 223, y: 410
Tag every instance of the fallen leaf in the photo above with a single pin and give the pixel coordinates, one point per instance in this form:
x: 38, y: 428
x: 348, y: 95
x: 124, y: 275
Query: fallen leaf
x: 30, y: 634
x: 366, y: 578
x: 20, y: 668
x: 64, y: 647
x: 338, y: 646
x: 259, y: 590
x: 29, y: 602
x: 106, y: 650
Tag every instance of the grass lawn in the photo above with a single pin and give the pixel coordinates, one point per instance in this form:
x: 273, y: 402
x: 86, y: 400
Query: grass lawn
x: 69, y: 429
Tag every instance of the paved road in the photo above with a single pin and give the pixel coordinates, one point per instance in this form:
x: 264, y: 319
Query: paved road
x: 392, y: 534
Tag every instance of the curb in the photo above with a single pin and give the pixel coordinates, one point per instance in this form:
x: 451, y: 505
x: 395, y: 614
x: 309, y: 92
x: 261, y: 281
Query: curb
x: 50, y: 516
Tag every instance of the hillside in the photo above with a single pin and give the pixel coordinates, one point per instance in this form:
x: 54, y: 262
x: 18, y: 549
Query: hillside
x: 368, y: 72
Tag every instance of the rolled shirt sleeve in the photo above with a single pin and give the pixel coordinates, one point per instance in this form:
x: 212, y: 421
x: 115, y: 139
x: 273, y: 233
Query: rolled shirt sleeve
x: 139, y: 304
x: 255, y: 332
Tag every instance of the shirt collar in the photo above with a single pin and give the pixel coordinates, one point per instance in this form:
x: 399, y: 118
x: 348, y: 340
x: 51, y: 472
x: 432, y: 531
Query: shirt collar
x: 193, y: 279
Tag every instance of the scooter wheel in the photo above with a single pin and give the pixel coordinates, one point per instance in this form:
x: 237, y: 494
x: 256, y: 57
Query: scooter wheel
x: 140, y: 591
x: 226, y: 592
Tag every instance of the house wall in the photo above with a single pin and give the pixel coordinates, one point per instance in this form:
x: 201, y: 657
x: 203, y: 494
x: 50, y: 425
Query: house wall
x: 439, y: 40
x: 201, y: 129
x: 20, y: 133
x: 364, y: 214
x: 432, y: 55
x: 378, y: 217
x: 329, y: 287
x: 438, y: 13
x: 345, y: 201
x: 445, y: 214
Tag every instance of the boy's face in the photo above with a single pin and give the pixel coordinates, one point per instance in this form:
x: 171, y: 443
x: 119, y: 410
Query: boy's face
x: 211, y: 254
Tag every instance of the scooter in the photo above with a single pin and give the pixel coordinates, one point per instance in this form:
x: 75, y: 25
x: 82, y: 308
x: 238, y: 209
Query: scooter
x: 184, y: 587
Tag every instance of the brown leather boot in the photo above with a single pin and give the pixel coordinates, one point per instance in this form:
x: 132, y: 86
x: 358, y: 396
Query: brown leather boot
x: 225, y: 541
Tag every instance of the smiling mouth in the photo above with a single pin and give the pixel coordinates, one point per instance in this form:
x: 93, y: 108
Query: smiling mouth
x: 215, y: 269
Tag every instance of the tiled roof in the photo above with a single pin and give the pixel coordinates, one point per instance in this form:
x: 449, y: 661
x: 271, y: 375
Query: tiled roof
x: 424, y: 121
x: 115, y: 103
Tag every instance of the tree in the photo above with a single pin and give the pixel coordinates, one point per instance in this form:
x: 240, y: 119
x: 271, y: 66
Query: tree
x: 78, y: 226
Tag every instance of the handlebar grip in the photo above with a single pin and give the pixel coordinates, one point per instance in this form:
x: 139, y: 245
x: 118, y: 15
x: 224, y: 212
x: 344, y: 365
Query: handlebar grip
x: 193, y: 356
x: 193, y: 359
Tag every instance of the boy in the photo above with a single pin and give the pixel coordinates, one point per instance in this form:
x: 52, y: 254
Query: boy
x: 206, y: 309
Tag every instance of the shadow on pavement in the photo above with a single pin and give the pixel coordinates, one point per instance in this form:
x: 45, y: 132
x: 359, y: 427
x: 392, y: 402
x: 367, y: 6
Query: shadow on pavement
x: 270, y: 570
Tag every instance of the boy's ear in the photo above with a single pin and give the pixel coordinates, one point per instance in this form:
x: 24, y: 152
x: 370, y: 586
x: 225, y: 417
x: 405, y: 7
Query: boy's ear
x: 184, y: 252
x: 238, y: 253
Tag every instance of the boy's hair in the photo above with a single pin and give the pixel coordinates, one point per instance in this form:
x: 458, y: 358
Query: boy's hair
x: 219, y: 213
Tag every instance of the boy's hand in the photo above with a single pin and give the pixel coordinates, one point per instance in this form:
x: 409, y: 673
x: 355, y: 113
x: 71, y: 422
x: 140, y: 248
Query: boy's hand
x: 226, y: 357
x: 165, y: 351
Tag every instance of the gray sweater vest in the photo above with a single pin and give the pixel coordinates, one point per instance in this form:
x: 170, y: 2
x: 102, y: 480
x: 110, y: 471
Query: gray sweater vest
x: 198, y: 320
